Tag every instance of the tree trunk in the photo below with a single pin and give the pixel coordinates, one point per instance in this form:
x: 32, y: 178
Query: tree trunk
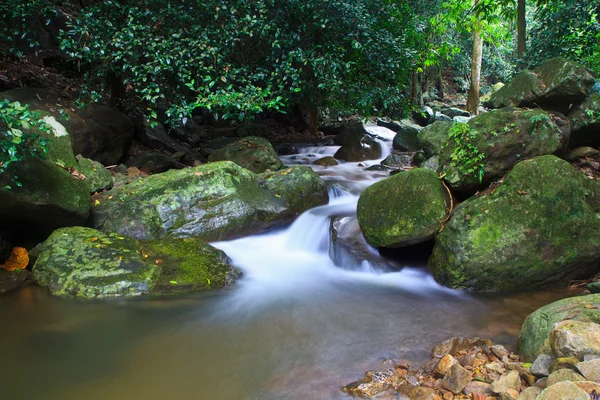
x: 313, y: 119
x: 522, y: 29
x: 473, y: 99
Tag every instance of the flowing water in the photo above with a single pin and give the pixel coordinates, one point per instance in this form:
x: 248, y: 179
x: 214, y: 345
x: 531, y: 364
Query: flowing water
x: 311, y: 314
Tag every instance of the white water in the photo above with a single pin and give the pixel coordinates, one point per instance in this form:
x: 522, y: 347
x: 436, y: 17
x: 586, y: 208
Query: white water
x: 295, y: 263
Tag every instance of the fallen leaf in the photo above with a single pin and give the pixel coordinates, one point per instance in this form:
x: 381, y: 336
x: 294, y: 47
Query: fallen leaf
x: 19, y: 259
x: 159, y: 261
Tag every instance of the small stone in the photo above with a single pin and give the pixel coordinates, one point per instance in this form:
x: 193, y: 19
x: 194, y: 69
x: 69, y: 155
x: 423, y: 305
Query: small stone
x: 510, y: 394
x: 541, y: 365
x: 326, y: 162
x: 422, y: 393
x: 478, y: 387
x: 529, y: 393
x: 496, y: 367
x: 564, y: 375
x: 590, y: 369
x: 563, y: 390
x: 448, y: 396
x: 456, y: 379
x: 542, y: 383
x: 444, y: 365
x: 499, y: 351
x: 506, y: 382
x: 563, y: 362
x: 467, y: 360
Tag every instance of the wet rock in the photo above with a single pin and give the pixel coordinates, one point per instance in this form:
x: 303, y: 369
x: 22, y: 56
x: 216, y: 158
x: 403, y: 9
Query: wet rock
x: 563, y: 390
x: 444, y: 365
x: 575, y: 339
x: 423, y: 393
x: 398, y: 160
x: 326, y: 162
x: 456, y: 344
x: 87, y: 263
x: 11, y: 280
x: 348, y: 246
x: 563, y: 375
x: 478, y: 387
x: 554, y: 85
x: 590, y: 369
x: 461, y: 120
x: 253, y: 153
x: 154, y: 163
x: 507, y: 382
x: 404, y: 209
x: 441, y: 117
x: 373, y: 383
x: 517, y: 235
x: 585, y: 122
x: 357, y: 144
x: 456, y: 379
x: 504, y: 137
x: 96, y: 176
x: 536, y: 329
x: 455, y: 112
x: 529, y: 393
x: 215, y: 201
x: 378, y: 167
x: 541, y: 365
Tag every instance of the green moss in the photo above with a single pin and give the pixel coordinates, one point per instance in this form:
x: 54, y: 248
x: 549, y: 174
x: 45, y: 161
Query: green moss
x: 253, y: 153
x: 404, y: 209
x: 537, y: 229
x: 96, y: 176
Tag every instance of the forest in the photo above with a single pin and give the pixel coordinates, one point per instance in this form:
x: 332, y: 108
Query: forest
x: 284, y: 199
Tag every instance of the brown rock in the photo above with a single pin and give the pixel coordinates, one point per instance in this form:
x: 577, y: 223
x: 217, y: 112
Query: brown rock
x: 588, y: 386
x: 478, y: 387
x: 373, y: 383
x: 529, y: 393
x: 444, y: 365
x: 510, y: 394
x: 453, y: 345
x: 573, y: 338
x: 562, y: 375
x: 456, y: 379
x: 590, y: 369
x: 422, y: 393
x: 563, y: 390
x: 563, y: 362
x: 506, y: 382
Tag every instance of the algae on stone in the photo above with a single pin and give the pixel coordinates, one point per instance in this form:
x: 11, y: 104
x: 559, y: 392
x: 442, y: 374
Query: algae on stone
x: 402, y: 210
x: 253, y: 153
x: 538, y: 228
x: 96, y: 176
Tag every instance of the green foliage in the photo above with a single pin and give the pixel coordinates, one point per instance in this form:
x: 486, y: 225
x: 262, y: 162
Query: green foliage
x: 21, y: 22
x: 537, y: 120
x: 16, y: 141
x: 466, y: 157
x: 240, y: 57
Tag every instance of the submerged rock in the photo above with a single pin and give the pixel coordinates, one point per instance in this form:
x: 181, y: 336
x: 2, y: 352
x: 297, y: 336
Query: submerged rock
x: 402, y: 210
x: 554, y: 85
x: 357, y: 144
x: 534, y: 336
x: 326, y: 162
x: 538, y: 228
x: 503, y: 137
x: 85, y: 262
x: 215, y: 201
x: 253, y: 153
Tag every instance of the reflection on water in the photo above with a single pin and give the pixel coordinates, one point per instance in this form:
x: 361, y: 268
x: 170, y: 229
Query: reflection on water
x: 297, y: 326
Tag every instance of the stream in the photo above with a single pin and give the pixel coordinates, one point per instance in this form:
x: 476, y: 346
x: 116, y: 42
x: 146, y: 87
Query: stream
x: 308, y: 317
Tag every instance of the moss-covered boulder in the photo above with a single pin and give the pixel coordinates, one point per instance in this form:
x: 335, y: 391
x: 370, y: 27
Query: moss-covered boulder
x: 402, y: 210
x: 215, y: 201
x: 535, y: 332
x: 504, y: 137
x: 554, y: 85
x: 406, y: 134
x: 95, y: 131
x: 96, y: 176
x: 299, y: 186
x: 252, y: 152
x: 585, y: 122
x: 538, y: 228
x: 85, y: 262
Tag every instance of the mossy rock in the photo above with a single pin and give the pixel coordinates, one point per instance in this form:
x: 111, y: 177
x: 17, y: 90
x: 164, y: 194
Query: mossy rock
x: 87, y: 263
x: 406, y: 134
x: 402, y: 210
x: 554, y: 85
x: 504, y: 137
x: 299, y: 186
x: 538, y: 228
x: 326, y: 162
x: 585, y: 122
x: 253, y: 153
x: 534, y: 336
x: 214, y: 201
x: 96, y: 176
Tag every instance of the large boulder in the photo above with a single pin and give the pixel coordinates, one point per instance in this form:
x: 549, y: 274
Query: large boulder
x: 554, y: 85
x: 97, y: 132
x: 585, y: 122
x: 85, y: 262
x: 50, y: 193
x: 96, y: 176
x: 155, y: 136
x: 406, y: 134
x: 300, y: 186
x: 402, y: 210
x: 215, y: 201
x: 357, y: 144
x: 253, y: 153
x: 503, y: 137
x: 538, y: 228
x: 535, y: 332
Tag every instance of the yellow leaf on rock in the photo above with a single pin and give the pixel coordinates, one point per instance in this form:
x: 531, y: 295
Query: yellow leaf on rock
x: 19, y: 259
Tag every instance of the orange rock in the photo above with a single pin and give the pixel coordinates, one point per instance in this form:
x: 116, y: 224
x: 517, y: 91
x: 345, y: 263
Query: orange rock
x: 19, y: 259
